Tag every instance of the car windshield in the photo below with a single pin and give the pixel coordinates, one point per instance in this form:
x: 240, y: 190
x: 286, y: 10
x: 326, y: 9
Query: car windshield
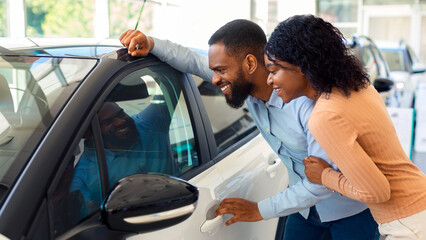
x: 395, y: 60
x: 32, y: 92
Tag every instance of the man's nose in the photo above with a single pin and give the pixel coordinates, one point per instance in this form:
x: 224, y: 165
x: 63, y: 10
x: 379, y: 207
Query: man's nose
x: 118, y: 121
x: 216, y: 79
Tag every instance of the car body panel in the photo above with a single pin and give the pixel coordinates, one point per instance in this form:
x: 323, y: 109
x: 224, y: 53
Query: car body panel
x: 244, y: 174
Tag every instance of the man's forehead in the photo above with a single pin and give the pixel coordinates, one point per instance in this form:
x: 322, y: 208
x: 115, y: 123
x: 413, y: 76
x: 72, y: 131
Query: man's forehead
x: 108, y: 109
x: 218, y: 56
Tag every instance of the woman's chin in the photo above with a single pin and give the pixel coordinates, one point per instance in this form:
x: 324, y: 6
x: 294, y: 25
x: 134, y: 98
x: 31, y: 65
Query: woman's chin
x: 285, y: 98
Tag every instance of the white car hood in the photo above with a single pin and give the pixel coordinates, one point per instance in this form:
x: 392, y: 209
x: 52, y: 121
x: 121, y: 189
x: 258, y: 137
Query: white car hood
x: 399, y: 76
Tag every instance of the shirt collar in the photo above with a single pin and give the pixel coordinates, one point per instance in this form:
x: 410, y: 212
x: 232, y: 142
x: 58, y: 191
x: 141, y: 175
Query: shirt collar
x: 274, y: 101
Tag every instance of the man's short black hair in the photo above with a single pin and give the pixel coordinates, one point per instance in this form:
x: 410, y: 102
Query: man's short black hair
x: 241, y: 37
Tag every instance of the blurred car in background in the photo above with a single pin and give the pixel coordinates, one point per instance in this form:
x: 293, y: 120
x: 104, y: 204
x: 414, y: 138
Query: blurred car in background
x: 405, y: 69
x: 366, y: 50
x: 178, y: 156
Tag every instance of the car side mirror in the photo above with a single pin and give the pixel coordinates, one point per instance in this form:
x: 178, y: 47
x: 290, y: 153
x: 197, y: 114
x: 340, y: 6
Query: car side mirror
x: 146, y: 202
x: 418, y: 68
x: 382, y: 84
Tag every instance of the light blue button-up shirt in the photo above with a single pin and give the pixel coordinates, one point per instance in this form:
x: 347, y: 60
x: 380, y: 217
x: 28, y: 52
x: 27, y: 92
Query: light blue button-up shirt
x: 285, y: 128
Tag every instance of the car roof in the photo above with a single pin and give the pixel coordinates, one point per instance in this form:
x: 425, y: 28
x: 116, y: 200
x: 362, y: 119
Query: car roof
x: 70, y: 48
x: 391, y: 44
x: 360, y: 40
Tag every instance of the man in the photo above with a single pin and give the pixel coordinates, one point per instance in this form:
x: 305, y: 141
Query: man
x: 236, y: 58
x: 132, y: 145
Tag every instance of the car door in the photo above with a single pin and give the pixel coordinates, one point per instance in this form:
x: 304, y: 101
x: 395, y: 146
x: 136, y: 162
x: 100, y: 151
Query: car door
x: 177, y: 138
x: 244, y: 166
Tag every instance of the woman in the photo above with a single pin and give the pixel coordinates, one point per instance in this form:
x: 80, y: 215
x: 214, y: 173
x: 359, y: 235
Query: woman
x: 306, y: 56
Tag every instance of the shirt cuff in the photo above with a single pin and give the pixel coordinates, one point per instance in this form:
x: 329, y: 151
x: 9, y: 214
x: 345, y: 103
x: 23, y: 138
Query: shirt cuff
x: 158, y: 45
x: 266, y: 209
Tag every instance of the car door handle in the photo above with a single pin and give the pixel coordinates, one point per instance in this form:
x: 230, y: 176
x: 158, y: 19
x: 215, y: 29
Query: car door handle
x: 210, y: 225
x: 271, y: 169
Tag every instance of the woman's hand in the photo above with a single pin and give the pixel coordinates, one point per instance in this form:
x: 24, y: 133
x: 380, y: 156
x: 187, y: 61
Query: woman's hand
x: 314, y: 167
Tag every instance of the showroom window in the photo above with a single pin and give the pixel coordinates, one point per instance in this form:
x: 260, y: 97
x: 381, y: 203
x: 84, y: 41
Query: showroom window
x: 343, y: 14
x: 124, y: 15
x: 422, y: 54
x: 392, y: 28
x: 66, y: 18
x: 388, y: 2
x: 3, y: 18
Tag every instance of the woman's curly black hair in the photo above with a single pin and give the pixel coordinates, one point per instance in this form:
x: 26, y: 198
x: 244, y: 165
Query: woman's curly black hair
x: 317, y: 48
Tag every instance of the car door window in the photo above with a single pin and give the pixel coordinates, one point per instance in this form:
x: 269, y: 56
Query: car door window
x: 411, y: 57
x: 78, y: 193
x: 369, y: 63
x: 395, y: 60
x: 381, y: 64
x: 229, y: 125
x: 144, y: 127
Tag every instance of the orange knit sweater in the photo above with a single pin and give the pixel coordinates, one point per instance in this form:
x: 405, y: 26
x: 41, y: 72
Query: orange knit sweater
x: 357, y: 134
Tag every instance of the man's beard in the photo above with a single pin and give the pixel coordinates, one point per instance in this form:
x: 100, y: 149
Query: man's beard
x: 240, y: 90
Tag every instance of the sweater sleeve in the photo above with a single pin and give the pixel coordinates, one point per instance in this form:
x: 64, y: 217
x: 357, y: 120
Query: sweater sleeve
x: 359, y: 177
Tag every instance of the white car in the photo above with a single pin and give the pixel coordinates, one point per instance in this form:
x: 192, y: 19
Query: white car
x: 96, y: 144
x: 405, y: 70
x: 365, y: 49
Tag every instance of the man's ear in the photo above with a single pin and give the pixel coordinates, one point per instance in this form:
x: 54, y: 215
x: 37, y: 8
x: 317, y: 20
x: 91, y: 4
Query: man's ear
x: 251, y: 63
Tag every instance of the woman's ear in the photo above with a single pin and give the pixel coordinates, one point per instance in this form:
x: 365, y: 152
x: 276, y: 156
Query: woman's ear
x: 251, y: 63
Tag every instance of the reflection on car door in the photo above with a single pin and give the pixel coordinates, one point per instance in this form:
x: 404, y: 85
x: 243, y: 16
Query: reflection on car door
x: 245, y: 167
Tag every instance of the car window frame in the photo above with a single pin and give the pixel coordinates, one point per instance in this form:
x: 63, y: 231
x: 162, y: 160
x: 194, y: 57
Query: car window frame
x: 381, y: 64
x: 193, y: 111
x: 90, y: 119
x: 215, y: 155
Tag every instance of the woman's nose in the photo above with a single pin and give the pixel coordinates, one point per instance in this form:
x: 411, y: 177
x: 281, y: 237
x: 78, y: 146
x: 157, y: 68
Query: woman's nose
x: 269, y: 81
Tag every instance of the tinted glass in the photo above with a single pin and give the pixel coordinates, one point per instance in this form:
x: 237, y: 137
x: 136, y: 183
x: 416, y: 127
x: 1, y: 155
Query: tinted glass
x: 229, y: 125
x: 78, y: 51
x: 69, y: 199
x: 32, y: 91
x: 381, y: 64
x: 146, y: 126
x: 369, y: 63
x: 395, y: 60
x: 412, y: 57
